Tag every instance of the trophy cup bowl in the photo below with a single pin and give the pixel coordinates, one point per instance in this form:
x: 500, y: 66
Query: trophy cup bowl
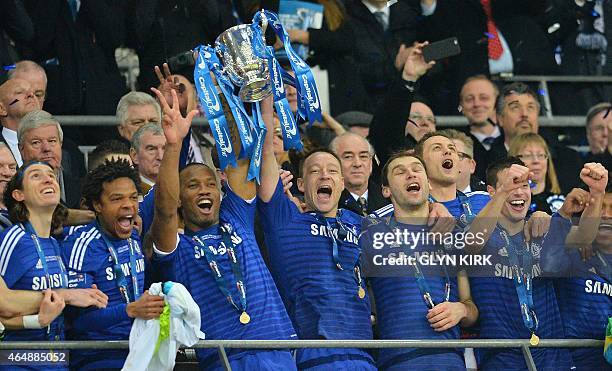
x: 243, y: 67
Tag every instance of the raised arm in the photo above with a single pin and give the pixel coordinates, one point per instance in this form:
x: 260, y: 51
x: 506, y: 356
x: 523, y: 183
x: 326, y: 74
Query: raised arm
x: 269, y: 167
x: 485, y: 222
x: 165, y: 219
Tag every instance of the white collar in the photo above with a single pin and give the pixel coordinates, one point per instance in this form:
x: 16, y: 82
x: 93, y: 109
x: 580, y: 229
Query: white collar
x: 374, y: 9
x: 9, y: 135
x: 356, y: 197
x: 480, y: 136
x: 467, y: 189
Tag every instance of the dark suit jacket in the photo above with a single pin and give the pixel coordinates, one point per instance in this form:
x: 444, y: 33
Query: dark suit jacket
x: 375, y: 199
x: 375, y: 49
x: 567, y: 162
x: 14, y: 20
x: 516, y: 19
x: 481, y: 155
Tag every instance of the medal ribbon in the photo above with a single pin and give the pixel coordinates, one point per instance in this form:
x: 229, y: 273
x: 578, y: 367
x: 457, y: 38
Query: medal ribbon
x: 420, y: 277
x: 465, y: 204
x: 43, y: 261
x: 120, y: 279
x: 309, y: 106
x: 222, y: 284
x: 211, y: 104
x: 523, y: 281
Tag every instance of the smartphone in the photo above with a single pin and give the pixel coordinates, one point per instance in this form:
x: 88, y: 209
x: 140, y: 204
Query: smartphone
x: 441, y: 49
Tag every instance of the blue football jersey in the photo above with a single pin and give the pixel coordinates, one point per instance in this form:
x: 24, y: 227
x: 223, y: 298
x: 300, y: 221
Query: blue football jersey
x: 188, y: 265
x: 90, y: 262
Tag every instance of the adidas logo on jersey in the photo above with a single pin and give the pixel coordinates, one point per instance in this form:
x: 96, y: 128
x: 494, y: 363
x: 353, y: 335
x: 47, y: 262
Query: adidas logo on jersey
x: 39, y: 265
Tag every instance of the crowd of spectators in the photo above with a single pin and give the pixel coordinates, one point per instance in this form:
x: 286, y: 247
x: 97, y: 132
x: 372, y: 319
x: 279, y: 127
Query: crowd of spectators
x: 58, y: 58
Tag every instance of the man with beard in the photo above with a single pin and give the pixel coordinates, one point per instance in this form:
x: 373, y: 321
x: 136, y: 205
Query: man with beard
x: 517, y: 110
x: 107, y: 252
x: 584, y: 290
x: 217, y: 258
x: 514, y: 301
x: 400, y: 296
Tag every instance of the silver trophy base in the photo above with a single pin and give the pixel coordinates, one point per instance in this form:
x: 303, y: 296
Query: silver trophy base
x: 255, y: 90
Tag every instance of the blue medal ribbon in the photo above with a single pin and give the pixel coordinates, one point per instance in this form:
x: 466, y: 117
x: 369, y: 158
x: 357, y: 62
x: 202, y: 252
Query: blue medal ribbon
x: 211, y: 104
x: 420, y: 277
x: 260, y: 136
x: 468, y: 215
x: 523, y: 282
x: 342, y: 234
x: 291, y: 135
x: 43, y: 261
x: 309, y: 106
x: 222, y: 284
x: 120, y: 279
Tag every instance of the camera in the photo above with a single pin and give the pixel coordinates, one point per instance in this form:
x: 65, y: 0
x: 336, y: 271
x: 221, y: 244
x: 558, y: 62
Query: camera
x: 181, y: 60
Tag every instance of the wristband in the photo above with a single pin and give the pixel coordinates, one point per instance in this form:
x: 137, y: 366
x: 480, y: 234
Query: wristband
x: 1, y: 328
x: 31, y: 322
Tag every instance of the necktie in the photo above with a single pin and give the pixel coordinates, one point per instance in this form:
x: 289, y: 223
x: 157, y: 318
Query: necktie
x: 495, y: 46
x: 363, y: 203
x: 380, y: 17
x: 488, y: 141
x: 190, y: 155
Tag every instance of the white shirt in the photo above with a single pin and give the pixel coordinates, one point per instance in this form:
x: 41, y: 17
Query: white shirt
x: 356, y: 196
x: 385, y: 10
x: 467, y: 189
x: 11, y: 139
x: 503, y: 64
x: 147, y: 181
x: 481, y: 137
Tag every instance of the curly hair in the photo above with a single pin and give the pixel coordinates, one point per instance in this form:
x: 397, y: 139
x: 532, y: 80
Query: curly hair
x: 107, y: 172
x: 18, y: 211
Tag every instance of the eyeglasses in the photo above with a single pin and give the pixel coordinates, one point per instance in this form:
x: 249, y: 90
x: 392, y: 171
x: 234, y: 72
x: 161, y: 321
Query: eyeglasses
x: 418, y: 117
x: 533, y: 156
x: 463, y: 156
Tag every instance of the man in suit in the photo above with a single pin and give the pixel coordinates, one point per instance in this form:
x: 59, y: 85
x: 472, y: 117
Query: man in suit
x: 40, y: 138
x: 360, y: 195
x: 496, y: 36
x: 147, y: 151
x: 16, y: 100
x: 599, y: 134
x: 379, y: 32
x: 477, y: 103
x: 134, y: 110
x: 517, y: 113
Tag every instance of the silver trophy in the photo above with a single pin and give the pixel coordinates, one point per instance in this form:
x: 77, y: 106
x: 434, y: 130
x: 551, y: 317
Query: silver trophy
x: 243, y: 67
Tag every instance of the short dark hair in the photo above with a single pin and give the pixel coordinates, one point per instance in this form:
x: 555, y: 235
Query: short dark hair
x: 517, y: 88
x: 105, y: 148
x: 499, y: 165
x: 384, y: 176
x: 18, y: 212
x: 313, y: 152
x: 420, y: 146
x: 107, y: 172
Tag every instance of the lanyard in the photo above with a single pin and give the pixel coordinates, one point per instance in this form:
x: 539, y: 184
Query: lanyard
x: 43, y: 261
x: 342, y: 234
x: 222, y: 284
x: 523, y: 282
x: 468, y: 215
x: 420, y: 278
x: 120, y: 279
x: 43, y: 258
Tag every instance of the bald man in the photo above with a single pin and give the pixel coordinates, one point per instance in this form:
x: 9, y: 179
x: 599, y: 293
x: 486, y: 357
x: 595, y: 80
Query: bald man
x: 33, y: 73
x: 16, y: 100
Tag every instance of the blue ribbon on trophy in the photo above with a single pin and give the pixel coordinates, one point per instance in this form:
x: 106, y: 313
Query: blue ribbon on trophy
x: 241, y: 59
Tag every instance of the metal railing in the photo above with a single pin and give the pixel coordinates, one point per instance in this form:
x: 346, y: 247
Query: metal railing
x: 447, y: 121
x: 221, y: 345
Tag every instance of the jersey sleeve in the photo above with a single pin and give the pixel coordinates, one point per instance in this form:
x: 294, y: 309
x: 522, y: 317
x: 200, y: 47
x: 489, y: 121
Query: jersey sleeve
x: 165, y: 265
x: 12, y: 250
x: 239, y: 209
x: 88, y: 320
x: 555, y: 258
x: 279, y: 210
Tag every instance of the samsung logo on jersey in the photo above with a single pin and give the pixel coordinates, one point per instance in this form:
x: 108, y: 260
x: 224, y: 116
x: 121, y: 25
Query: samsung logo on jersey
x: 596, y: 287
x: 125, y: 267
x: 506, y: 271
x: 321, y: 230
x: 39, y: 283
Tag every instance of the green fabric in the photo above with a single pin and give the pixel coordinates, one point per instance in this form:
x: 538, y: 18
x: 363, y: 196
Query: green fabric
x: 164, y: 326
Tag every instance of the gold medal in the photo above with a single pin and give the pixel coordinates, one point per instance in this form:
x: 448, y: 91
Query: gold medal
x: 535, y: 340
x: 361, y: 292
x: 245, y: 318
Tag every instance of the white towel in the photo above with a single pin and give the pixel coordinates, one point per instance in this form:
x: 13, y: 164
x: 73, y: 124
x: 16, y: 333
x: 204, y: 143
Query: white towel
x: 184, y: 330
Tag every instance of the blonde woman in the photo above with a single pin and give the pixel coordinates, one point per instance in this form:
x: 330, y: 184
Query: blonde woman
x: 533, y: 151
